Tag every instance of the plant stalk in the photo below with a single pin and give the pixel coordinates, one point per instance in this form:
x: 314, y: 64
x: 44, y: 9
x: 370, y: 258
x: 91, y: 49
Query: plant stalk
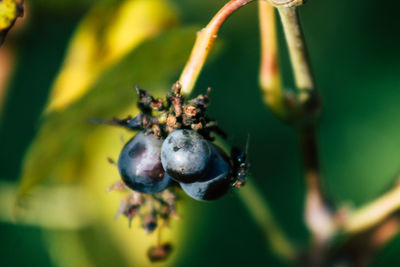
x: 269, y: 78
x: 297, y: 49
x: 318, y: 216
x: 261, y: 213
x: 205, y: 39
x: 373, y: 213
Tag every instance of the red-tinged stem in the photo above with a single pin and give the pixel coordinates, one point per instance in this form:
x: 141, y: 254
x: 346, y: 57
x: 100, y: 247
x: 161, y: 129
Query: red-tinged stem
x: 205, y: 39
x: 269, y: 78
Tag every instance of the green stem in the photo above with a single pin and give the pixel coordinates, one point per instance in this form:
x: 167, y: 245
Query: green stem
x: 373, y: 213
x: 297, y: 51
x: 286, y: 3
x: 261, y: 213
x: 318, y: 216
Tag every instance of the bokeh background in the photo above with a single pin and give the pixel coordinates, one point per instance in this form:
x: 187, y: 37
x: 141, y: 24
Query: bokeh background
x: 354, y: 47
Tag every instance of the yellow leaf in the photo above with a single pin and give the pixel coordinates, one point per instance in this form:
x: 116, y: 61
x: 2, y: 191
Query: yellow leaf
x: 8, y: 13
x: 135, y: 21
x: 105, y: 35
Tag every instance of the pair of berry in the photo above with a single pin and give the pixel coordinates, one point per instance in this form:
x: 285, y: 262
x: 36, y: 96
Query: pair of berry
x: 148, y: 164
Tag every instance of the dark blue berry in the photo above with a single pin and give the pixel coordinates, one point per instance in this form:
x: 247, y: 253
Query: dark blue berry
x: 217, y: 180
x: 185, y: 156
x: 140, y: 166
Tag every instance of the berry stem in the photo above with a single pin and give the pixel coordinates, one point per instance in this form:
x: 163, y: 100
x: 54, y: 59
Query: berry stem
x: 205, y: 39
x: 159, y: 235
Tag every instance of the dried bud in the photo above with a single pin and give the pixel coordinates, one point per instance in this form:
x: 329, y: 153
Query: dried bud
x: 156, y: 130
x: 196, y: 126
x: 159, y: 252
x: 118, y: 186
x: 157, y: 104
x: 190, y: 110
x: 171, y: 120
x: 187, y: 120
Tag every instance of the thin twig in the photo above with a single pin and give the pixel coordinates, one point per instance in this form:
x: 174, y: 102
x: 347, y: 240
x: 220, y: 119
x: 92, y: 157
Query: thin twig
x: 205, y: 39
x: 261, y: 213
x: 373, y: 213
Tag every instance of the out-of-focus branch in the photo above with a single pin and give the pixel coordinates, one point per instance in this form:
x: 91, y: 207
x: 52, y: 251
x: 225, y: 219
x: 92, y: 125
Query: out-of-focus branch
x: 360, y: 248
x: 270, y: 80
x: 261, y: 213
x: 370, y: 227
x: 318, y: 216
x: 373, y: 213
x: 205, y: 39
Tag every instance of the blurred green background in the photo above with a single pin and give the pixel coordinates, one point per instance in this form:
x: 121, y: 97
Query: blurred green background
x: 354, y: 47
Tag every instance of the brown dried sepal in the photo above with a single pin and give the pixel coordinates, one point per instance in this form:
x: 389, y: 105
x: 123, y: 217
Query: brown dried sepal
x: 171, y: 121
x: 149, y: 208
x: 161, y: 118
x: 150, y: 221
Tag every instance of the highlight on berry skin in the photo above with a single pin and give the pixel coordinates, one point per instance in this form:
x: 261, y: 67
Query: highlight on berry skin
x: 172, y: 152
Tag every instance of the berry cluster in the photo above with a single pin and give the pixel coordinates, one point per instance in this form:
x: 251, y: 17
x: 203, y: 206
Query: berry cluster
x: 173, y: 147
x: 174, y: 144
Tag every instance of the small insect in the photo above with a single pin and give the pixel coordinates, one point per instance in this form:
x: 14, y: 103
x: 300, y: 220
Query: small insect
x: 240, y: 165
